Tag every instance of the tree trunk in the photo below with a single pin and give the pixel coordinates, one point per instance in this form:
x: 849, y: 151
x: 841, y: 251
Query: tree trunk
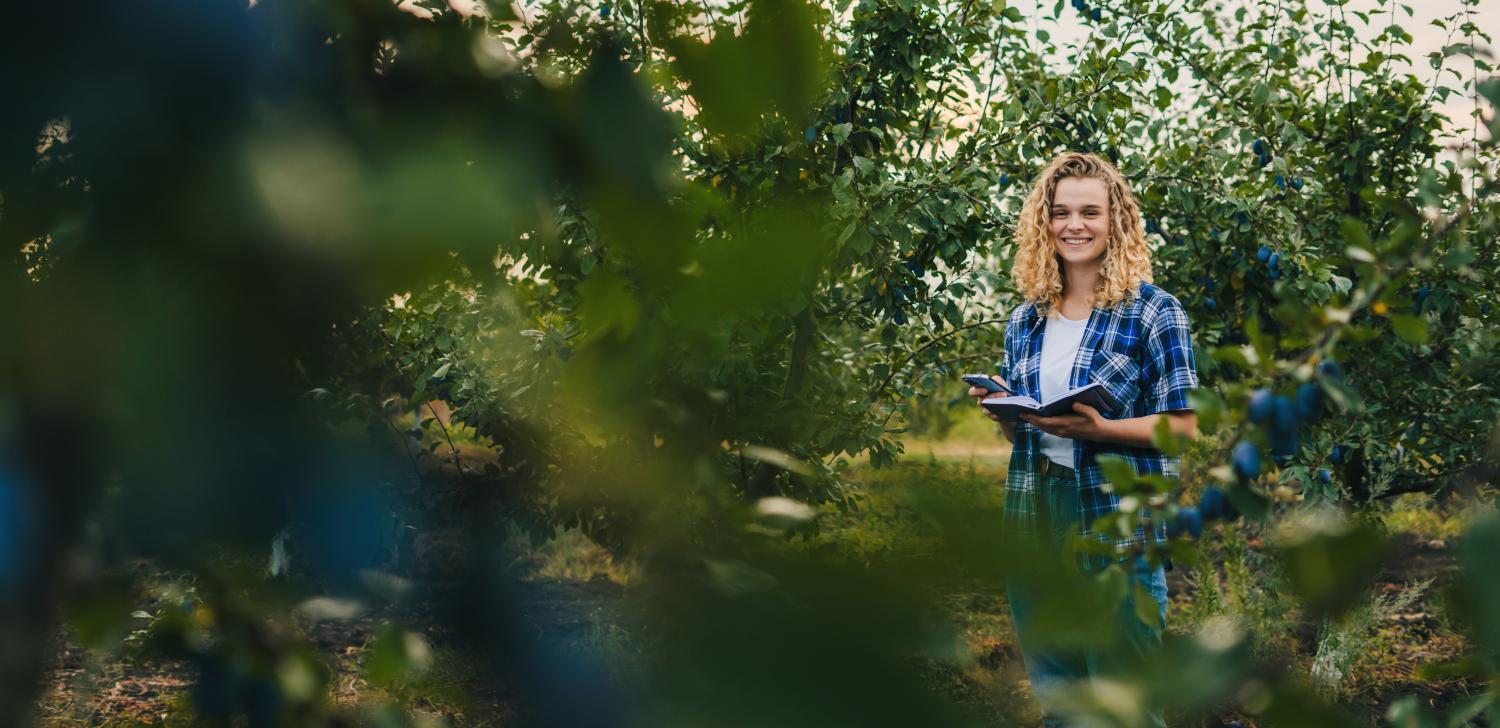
x: 803, y: 331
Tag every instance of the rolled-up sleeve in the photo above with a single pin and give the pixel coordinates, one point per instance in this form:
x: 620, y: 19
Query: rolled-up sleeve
x: 1170, y: 372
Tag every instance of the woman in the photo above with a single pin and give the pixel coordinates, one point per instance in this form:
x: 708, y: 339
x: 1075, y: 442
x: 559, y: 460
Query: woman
x: 1090, y: 314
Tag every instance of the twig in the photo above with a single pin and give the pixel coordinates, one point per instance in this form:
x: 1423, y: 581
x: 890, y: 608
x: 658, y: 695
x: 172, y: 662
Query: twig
x: 896, y: 369
x: 456, y: 462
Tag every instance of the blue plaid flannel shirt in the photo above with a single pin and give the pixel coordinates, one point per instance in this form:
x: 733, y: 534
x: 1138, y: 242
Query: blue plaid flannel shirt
x: 1142, y: 351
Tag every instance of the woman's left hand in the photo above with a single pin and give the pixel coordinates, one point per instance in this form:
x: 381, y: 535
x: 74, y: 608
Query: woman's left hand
x: 1086, y: 424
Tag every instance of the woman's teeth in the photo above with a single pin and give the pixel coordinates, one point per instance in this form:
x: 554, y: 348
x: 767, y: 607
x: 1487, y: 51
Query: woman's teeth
x: 1078, y: 241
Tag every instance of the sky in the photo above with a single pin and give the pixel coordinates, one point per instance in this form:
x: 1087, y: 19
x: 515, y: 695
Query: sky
x: 1426, y: 37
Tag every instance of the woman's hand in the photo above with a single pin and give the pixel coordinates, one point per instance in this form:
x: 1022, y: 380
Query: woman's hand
x: 979, y: 393
x: 1006, y: 428
x: 1085, y: 424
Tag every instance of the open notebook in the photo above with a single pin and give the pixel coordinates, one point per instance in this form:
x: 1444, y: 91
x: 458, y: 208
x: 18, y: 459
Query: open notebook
x: 1092, y: 394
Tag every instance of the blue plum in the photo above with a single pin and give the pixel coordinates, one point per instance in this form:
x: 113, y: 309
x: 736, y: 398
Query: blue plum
x: 1246, y: 460
x: 1212, y: 504
x: 1284, y: 426
x: 1261, y: 405
x: 1309, y: 402
x: 1192, y: 520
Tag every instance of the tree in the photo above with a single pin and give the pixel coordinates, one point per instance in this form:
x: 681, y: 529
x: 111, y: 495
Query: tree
x: 674, y: 259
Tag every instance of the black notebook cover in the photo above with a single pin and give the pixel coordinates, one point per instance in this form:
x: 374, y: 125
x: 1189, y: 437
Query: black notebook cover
x: 1092, y: 394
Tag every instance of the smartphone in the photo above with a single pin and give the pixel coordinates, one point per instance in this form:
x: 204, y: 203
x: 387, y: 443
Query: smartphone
x: 983, y: 382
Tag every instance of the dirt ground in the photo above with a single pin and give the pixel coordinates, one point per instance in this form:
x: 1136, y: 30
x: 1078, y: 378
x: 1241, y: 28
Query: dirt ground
x: 575, y: 596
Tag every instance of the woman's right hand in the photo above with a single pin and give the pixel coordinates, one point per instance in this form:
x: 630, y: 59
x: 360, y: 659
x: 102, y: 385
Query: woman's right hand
x: 979, y: 393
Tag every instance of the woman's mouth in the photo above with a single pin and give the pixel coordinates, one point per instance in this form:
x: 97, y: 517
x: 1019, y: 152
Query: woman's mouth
x: 1078, y: 242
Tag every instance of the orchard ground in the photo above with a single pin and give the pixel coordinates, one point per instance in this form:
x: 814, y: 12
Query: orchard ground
x: 577, y: 596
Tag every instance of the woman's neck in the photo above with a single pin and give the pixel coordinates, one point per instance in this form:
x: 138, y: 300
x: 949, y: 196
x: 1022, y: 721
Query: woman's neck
x: 1079, y: 283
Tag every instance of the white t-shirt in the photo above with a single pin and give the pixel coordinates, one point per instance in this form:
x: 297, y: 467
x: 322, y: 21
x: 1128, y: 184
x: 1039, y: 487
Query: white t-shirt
x: 1061, y: 338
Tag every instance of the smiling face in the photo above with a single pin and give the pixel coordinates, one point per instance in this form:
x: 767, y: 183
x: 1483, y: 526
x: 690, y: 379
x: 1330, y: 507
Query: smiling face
x: 1080, y: 220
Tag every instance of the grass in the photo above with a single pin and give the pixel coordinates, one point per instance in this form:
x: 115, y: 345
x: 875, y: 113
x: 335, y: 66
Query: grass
x: 1363, y: 661
x: 889, y: 523
x: 571, y: 556
x: 972, y: 439
x: 1424, y: 517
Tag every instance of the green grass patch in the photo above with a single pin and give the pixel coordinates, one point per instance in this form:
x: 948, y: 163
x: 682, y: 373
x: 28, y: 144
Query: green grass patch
x: 891, y: 514
x: 1425, y: 517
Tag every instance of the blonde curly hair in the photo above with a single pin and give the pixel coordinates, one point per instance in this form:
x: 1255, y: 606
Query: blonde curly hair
x: 1127, y: 261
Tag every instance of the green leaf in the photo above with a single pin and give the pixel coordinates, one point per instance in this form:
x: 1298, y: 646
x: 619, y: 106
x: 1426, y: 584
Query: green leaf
x: 607, y: 304
x: 1146, y: 608
x: 1233, y: 355
x: 1409, y: 712
x: 1329, y: 561
x: 1476, y: 593
x: 1411, y: 329
x: 1343, y: 395
x: 772, y: 456
x: 1356, y: 236
x: 396, y: 656
x: 1490, y: 90
x: 1465, y: 711
x: 100, y: 613
x: 1461, y: 255
x: 1261, y: 94
x: 1118, y: 471
x: 1156, y: 483
x: 778, y: 62
x: 1209, y: 407
x: 1253, y: 504
x: 1165, y: 440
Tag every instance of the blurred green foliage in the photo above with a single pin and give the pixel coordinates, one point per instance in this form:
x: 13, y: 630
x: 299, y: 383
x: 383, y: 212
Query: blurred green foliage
x: 673, y: 261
